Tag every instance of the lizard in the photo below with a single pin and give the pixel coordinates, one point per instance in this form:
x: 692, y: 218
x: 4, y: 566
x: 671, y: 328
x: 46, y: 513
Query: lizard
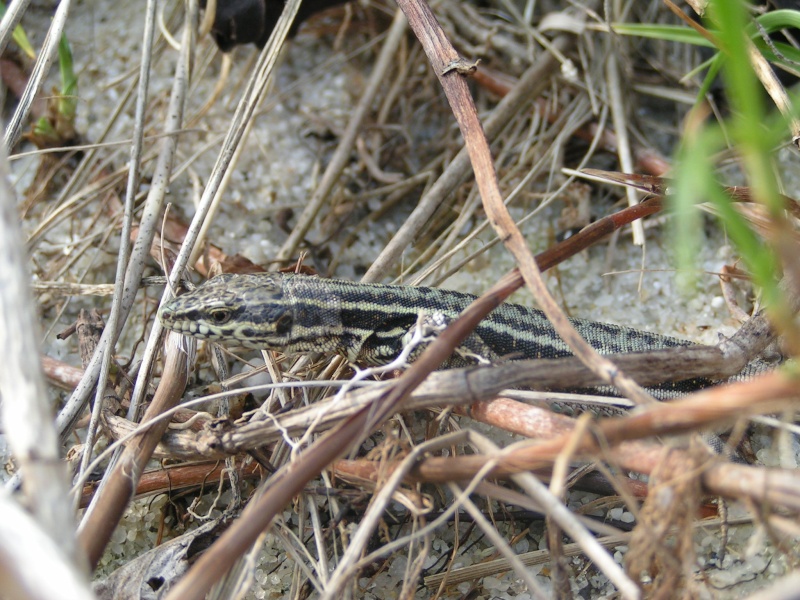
x: 370, y: 323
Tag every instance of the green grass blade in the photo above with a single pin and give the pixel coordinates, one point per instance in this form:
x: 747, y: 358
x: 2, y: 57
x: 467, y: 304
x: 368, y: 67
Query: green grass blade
x: 670, y: 33
x: 19, y: 36
x: 68, y: 102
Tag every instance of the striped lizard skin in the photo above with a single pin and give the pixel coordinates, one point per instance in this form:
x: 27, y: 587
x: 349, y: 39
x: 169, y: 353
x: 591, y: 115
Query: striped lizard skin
x: 370, y: 323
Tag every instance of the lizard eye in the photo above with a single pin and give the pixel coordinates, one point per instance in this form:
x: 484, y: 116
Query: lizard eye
x: 283, y: 324
x: 220, y: 316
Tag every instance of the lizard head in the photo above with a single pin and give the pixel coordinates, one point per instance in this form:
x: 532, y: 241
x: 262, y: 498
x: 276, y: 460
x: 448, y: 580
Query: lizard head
x: 244, y: 310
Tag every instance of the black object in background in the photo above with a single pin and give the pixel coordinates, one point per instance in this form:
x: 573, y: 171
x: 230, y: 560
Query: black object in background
x: 252, y: 21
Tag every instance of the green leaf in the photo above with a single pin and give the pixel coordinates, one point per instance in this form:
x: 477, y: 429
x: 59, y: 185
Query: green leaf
x: 669, y: 33
x: 777, y: 19
x: 44, y: 130
x: 19, y: 36
x: 67, y: 103
x: 692, y: 177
